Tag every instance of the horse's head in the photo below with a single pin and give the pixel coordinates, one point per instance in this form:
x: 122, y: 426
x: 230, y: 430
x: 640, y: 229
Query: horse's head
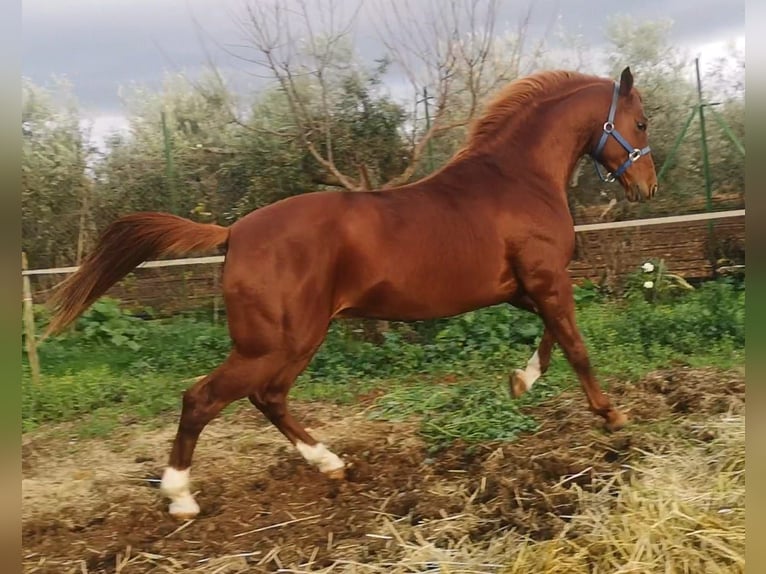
x: 622, y: 143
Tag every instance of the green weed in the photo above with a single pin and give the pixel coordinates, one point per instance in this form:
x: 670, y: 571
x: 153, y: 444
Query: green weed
x: 95, y: 368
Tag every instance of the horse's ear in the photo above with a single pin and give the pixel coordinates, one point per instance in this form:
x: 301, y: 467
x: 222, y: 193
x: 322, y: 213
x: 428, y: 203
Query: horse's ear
x: 626, y: 82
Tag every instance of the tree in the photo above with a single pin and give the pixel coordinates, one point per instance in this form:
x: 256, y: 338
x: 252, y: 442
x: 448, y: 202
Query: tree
x: 335, y: 103
x: 176, y: 155
x: 310, y: 74
x: 453, y: 58
x: 55, y: 188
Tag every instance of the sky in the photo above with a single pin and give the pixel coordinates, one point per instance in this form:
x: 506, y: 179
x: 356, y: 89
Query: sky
x: 100, y: 45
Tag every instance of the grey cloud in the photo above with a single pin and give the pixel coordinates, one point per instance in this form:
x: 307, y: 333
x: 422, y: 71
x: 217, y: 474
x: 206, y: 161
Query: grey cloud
x: 101, y: 45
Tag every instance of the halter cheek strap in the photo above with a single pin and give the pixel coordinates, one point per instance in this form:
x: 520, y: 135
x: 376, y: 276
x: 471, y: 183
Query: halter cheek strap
x: 634, y: 154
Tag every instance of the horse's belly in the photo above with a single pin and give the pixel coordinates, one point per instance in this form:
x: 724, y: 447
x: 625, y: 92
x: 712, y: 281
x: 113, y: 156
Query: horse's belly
x: 426, y: 299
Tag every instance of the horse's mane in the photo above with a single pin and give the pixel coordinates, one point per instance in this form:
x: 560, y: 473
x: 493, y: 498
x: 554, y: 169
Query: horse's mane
x: 508, y: 108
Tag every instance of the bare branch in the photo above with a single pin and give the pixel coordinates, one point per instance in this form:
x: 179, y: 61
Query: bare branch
x: 454, y: 57
x: 449, y: 49
x: 364, y: 177
x: 326, y: 179
x: 329, y: 166
x: 302, y: 68
x: 417, y: 152
x: 221, y: 86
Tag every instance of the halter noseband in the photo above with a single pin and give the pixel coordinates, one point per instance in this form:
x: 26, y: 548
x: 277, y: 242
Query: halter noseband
x: 609, y: 130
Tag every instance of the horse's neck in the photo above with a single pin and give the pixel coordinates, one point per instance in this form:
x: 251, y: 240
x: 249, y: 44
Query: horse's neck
x: 548, y: 161
x: 542, y: 150
x: 549, y: 142
x: 553, y: 152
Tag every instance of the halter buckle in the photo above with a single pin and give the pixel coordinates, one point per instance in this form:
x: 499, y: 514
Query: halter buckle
x: 635, y: 154
x: 608, y: 127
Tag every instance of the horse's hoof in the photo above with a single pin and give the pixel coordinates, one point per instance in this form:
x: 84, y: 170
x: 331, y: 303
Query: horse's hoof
x: 615, y: 420
x: 183, y: 516
x: 184, y: 509
x: 517, y: 384
x: 336, y: 473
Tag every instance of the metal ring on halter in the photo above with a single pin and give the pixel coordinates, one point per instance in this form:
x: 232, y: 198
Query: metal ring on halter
x: 609, y: 178
x: 608, y: 127
x: 635, y: 154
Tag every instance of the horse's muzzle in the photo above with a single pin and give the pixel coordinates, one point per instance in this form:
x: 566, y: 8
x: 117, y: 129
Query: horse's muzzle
x: 637, y: 191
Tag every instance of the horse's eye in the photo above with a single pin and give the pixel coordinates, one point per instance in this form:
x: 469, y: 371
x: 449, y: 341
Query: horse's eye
x: 641, y: 126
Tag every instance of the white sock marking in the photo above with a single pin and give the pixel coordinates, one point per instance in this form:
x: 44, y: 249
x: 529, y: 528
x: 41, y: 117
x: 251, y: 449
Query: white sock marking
x: 533, y: 369
x: 175, y: 482
x: 532, y: 372
x: 319, y: 456
x: 175, y: 485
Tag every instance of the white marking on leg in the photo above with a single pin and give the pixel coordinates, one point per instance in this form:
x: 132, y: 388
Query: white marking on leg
x: 175, y: 485
x: 531, y: 373
x: 320, y: 456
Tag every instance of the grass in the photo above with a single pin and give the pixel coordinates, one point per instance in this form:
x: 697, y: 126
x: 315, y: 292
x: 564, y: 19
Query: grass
x: 115, y: 368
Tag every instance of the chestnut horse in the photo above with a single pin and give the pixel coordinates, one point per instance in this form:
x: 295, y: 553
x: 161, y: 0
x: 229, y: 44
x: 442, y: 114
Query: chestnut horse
x: 492, y: 226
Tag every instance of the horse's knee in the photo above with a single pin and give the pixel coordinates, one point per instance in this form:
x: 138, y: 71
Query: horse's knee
x: 191, y: 401
x: 198, y: 408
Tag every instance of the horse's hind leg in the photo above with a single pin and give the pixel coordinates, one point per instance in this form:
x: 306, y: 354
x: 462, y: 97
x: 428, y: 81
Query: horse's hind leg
x: 231, y: 381
x: 271, y: 400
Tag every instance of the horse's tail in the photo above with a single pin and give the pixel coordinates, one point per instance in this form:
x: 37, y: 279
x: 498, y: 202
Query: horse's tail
x: 126, y: 243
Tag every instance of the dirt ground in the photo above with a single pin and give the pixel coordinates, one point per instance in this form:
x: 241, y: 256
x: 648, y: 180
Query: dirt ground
x: 92, y: 505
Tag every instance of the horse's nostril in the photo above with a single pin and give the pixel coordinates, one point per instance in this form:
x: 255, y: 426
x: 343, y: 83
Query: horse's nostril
x: 653, y: 190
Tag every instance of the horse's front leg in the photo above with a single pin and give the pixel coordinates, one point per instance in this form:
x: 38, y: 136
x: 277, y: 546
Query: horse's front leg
x: 521, y: 380
x: 553, y: 296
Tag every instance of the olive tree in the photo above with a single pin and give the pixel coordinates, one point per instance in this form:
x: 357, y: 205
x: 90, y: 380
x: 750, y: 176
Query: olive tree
x: 55, y: 190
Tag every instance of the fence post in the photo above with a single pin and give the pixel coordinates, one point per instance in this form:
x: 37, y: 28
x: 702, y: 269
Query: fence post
x: 705, y: 160
x: 29, y: 323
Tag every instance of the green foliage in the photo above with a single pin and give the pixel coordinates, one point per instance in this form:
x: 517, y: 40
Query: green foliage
x: 366, y: 128
x: 588, y: 292
x: 484, y: 335
x: 98, y: 392
x: 53, y: 182
x: 86, y: 372
x: 451, y: 373
x: 473, y: 411
x: 654, y: 283
x: 134, y: 174
x: 710, y: 318
x: 105, y: 322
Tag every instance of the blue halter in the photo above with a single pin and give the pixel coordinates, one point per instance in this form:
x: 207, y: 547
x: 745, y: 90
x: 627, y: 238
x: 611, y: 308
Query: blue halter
x: 609, y: 130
